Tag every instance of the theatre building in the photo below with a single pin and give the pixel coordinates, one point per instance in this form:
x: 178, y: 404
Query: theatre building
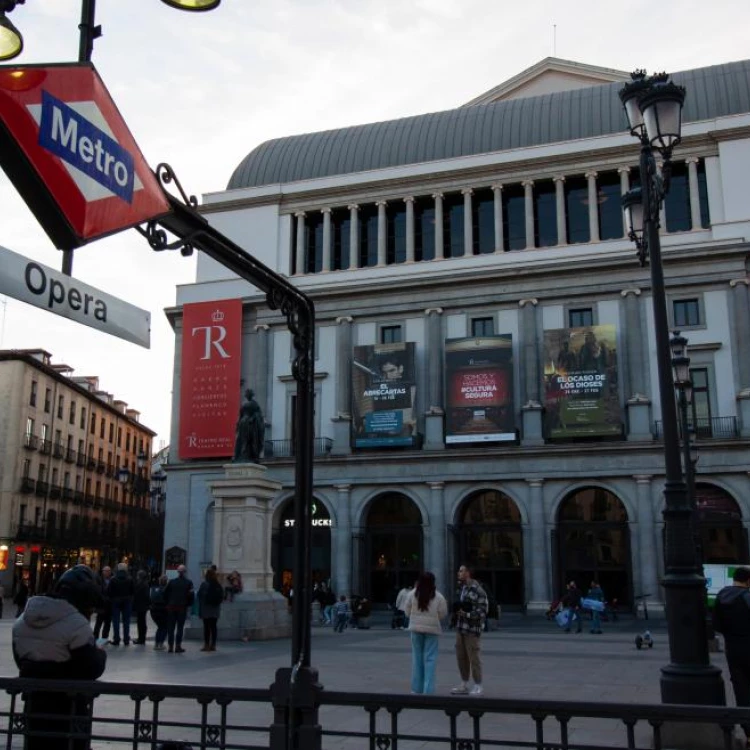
x: 485, y: 379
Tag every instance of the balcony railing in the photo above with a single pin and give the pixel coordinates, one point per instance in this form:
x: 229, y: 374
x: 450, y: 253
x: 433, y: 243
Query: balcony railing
x: 101, y: 467
x: 709, y: 428
x: 110, y: 470
x: 58, y: 450
x: 30, y: 532
x: 90, y: 462
x: 45, y: 446
x: 42, y: 488
x: 81, y: 459
x: 70, y: 456
x: 55, y: 491
x: 67, y: 493
x: 77, y: 497
x: 28, y: 485
x: 285, y: 448
x: 31, y: 442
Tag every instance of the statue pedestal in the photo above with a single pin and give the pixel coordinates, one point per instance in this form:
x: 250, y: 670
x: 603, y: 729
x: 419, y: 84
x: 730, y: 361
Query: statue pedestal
x: 242, y: 542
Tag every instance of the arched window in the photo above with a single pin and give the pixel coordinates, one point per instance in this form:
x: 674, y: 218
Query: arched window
x: 719, y: 522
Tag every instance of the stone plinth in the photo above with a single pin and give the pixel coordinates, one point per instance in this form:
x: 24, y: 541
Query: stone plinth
x: 242, y: 542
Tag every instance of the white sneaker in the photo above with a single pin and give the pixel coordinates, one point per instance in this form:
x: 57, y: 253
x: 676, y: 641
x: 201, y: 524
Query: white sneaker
x: 476, y: 690
x: 460, y: 690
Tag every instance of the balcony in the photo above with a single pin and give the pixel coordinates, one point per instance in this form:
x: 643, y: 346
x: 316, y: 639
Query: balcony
x: 88, y: 500
x: 77, y: 497
x: 55, y: 492
x: 101, y: 467
x: 81, y: 459
x: 713, y: 428
x: 42, y: 488
x: 70, y: 456
x: 67, y: 493
x: 45, y: 446
x: 28, y: 485
x: 58, y: 450
x: 285, y: 448
x: 110, y: 470
x: 30, y: 532
x: 90, y: 462
x: 31, y: 442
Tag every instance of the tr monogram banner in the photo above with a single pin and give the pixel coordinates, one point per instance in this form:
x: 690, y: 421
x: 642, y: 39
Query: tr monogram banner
x: 210, y: 378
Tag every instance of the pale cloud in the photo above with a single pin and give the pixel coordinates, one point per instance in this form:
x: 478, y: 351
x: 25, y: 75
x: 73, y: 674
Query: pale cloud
x: 201, y: 91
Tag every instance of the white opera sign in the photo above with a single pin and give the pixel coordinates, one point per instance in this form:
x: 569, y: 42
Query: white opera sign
x: 31, y: 282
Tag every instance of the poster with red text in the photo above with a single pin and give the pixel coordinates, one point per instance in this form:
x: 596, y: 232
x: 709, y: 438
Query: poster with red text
x: 210, y: 378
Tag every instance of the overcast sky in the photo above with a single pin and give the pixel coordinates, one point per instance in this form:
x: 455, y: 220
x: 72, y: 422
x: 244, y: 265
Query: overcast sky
x: 199, y: 91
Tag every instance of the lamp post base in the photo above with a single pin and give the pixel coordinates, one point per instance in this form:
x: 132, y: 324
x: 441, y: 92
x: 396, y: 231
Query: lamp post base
x: 698, y: 684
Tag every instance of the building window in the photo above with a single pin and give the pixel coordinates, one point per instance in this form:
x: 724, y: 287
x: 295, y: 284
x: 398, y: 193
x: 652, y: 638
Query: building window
x: 514, y: 211
x: 58, y: 438
x: 453, y: 225
x: 703, y: 194
x: 45, y: 433
x: 72, y: 417
x: 111, y: 431
x: 483, y: 222
x: 686, y: 313
x: 580, y: 317
x: 368, y: 236
x: 609, y: 206
x: 482, y: 327
x: 395, y: 247
x: 577, y: 210
x: 59, y: 407
x: 82, y: 423
x: 391, y: 334
x: 545, y: 214
x: 119, y: 437
x: 424, y: 229
x: 102, y: 428
x: 341, y: 230
x: 677, y: 201
x: 127, y: 441
x: 93, y: 423
x: 66, y: 480
x: 29, y: 426
x: 314, y: 243
x: 32, y: 398
x: 80, y: 448
x: 701, y: 404
x: 47, y: 400
x: 26, y: 469
x: 42, y: 471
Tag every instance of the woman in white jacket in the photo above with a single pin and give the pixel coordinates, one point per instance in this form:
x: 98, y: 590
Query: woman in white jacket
x: 425, y: 608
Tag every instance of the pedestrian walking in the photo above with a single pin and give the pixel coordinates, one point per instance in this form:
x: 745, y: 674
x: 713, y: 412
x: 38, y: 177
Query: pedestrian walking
x: 178, y: 596
x: 330, y: 601
x: 572, y: 604
x: 731, y: 618
x: 21, y: 597
x: 52, y: 639
x: 104, y: 611
x: 141, y: 605
x: 121, y: 591
x: 341, y: 614
x: 597, y: 594
x: 425, y: 608
x: 403, y: 595
x: 159, y: 613
x: 210, y: 597
x: 470, y: 612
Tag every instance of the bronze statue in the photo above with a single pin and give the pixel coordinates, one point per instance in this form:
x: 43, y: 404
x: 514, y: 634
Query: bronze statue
x: 250, y: 430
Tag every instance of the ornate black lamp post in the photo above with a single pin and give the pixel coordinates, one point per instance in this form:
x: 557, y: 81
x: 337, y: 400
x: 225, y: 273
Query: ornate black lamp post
x: 653, y: 106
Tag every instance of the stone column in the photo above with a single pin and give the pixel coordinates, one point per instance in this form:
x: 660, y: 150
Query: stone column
x: 624, y: 188
x: 439, y: 251
x: 741, y: 323
x: 342, y: 583
x: 382, y: 232
x: 434, y: 427
x: 468, y: 223
x: 260, y: 371
x: 532, y: 408
x: 343, y: 419
x: 299, y: 264
x: 593, y: 208
x: 409, y: 200
x: 638, y: 403
x: 497, y: 192
x: 326, y: 265
x: 649, y: 574
x: 353, y: 235
x: 528, y: 187
x: 437, y: 533
x: 541, y: 572
x: 562, y: 229
x: 695, y: 204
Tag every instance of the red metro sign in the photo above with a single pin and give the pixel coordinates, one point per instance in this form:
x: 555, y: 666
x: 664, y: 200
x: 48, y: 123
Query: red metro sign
x: 68, y: 151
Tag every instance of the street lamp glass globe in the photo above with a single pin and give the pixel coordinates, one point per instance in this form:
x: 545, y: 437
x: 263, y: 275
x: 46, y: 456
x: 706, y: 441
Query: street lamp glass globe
x: 11, y: 41
x: 122, y: 475
x: 192, y: 5
x: 678, y: 345
x: 632, y: 205
x: 661, y: 106
x: 630, y: 95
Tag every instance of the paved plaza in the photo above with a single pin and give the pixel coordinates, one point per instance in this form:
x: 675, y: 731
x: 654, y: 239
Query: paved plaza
x: 526, y: 658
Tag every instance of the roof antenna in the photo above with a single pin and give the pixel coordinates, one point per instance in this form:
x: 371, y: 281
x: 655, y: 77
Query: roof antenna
x: 554, y: 40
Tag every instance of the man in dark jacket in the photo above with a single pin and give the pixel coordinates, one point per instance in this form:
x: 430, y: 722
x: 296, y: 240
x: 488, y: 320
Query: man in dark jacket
x: 104, y: 613
x: 121, y: 590
x: 731, y: 617
x: 572, y: 603
x: 178, y: 596
x: 53, y: 640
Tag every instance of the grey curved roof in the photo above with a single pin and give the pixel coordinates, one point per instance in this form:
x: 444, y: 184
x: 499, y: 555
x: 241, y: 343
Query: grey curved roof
x: 715, y: 91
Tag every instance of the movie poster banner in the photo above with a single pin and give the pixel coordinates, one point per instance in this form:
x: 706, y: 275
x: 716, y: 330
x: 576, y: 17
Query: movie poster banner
x: 580, y: 382
x: 210, y: 378
x: 383, y: 392
x: 479, y: 390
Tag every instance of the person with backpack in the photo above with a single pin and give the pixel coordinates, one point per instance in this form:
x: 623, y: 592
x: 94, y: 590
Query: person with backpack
x: 210, y: 597
x: 159, y: 613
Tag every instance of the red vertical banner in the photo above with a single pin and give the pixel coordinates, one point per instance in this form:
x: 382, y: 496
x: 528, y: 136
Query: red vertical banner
x: 210, y: 378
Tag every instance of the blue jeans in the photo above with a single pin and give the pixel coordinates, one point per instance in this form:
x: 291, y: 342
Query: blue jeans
x: 573, y: 613
x: 424, y: 651
x: 596, y: 620
x: 121, y: 608
x: 175, y: 626
x: 341, y: 621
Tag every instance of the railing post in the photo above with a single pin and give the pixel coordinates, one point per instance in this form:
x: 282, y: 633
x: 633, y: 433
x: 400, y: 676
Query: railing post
x: 295, y: 699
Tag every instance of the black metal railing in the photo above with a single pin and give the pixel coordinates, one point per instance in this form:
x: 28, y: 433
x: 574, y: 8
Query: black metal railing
x: 90, y: 462
x: 716, y: 428
x: 101, y: 467
x: 70, y: 456
x: 58, y: 450
x: 55, y: 491
x: 285, y: 448
x: 28, y: 485
x: 30, y: 441
x: 81, y: 459
x: 141, y: 716
x: 41, y: 488
x: 67, y: 493
x: 45, y: 446
x: 30, y: 532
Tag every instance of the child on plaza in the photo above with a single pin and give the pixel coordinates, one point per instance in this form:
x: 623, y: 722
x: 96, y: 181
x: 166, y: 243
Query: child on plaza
x: 341, y: 614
